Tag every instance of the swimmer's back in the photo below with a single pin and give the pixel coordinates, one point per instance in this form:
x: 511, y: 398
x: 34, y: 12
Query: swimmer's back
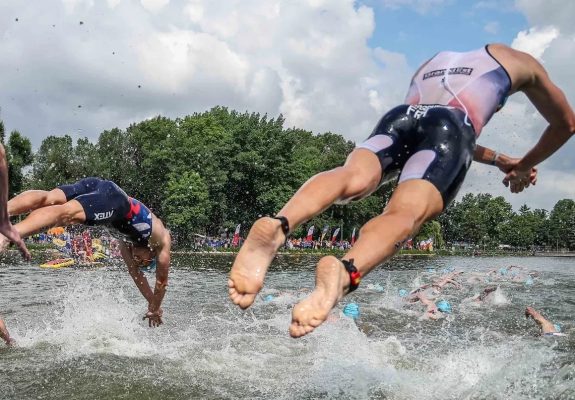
x: 473, y: 81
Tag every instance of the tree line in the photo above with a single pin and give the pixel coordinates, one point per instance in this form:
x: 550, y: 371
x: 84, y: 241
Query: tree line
x: 210, y: 171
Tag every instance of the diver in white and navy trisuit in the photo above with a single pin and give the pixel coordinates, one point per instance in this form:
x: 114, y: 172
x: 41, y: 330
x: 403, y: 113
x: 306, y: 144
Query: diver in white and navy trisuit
x: 430, y: 142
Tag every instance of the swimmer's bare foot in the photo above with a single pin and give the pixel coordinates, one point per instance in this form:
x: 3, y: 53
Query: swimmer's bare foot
x: 252, y: 262
x: 331, y: 282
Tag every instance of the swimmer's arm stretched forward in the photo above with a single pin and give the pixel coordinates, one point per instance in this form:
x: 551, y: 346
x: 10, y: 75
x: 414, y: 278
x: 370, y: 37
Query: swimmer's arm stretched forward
x: 485, y: 155
x: 4, y: 334
x: 550, y: 101
x: 162, y: 242
x: 137, y: 275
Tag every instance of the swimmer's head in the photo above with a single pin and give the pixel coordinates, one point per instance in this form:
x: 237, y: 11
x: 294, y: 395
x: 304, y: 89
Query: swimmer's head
x: 557, y: 327
x: 143, y: 256
x: 529, y: 281
x: 378, y: 288
x: 443, y: 306
x: 403, y: 293
x: 351, y: 310
x: 269, y: 297
x: 503, y: 271
x: 150, y: 267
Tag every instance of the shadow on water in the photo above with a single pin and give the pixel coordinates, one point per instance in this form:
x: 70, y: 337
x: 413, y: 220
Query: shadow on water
x: 81, y: 336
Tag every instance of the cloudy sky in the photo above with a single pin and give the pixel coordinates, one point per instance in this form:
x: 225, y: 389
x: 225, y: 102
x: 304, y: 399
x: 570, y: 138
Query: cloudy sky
x: 79, y: 67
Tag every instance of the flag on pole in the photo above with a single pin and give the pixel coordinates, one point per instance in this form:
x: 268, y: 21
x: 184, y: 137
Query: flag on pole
x: 309, y: 236
x: 87, y: 239
x: 353, y: 237
x: 334, y: 236
x: 408, y: 245
x: 236, y: 239
x: 324, y: 232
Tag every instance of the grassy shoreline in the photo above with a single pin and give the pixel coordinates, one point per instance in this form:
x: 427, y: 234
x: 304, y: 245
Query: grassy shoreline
x: 40, y: 249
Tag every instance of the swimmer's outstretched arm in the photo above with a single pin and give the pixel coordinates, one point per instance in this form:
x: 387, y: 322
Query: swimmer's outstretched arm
x: 137, y: 275
x: 162, y: 270
x: 454, y: 283
x: 4, y: 335
x: 552, y: 104
x: 505, y: 163
x: 545, y: 325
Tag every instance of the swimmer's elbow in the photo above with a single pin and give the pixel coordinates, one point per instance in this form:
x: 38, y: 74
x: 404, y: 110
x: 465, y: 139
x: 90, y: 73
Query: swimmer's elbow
x: 571, y: 126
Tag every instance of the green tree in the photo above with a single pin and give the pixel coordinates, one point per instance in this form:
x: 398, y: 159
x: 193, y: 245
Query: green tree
x: 186, y: 204
x: 561, y: 219
x: 53, y: 165
x: 2, y: 132
x: 19, y: 154
x: 431, y: 229
x: 84, y: 159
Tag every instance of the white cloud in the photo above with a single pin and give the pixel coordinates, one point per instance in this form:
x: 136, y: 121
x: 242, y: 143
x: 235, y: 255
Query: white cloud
x: 558, y: 13
x: 154, y: 5
x: 306, y: 59
x: 536, y: 40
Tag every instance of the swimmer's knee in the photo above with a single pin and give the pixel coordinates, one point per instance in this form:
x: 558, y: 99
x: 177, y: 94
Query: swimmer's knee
x: 55, y: 197
x: 359, y: 183
x: 71, y: 212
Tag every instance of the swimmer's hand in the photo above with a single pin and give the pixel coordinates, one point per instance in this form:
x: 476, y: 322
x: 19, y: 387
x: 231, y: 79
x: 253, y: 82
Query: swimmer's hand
x: 517, y: 180
x: 11, y: 234
x: 154, y: 318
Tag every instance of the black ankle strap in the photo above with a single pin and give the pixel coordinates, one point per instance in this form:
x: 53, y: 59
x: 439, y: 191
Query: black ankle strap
x: 354, y: 275
x: 284, y: 224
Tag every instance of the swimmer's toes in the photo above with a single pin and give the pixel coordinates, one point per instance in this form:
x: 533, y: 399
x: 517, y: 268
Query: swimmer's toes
x: 244, y: 300
x: 297, y: 330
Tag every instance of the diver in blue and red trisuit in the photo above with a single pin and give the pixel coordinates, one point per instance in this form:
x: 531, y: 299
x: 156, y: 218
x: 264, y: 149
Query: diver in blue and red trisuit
x: 430, y: 142
x: 93, y: 201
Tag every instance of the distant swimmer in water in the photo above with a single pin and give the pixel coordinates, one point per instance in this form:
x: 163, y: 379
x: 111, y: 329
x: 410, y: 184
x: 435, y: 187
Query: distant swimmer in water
x: 547, y: 327
x: 430, y: 290
x: 484, y: 296
x: 434, y: 310
x: 92, y: 201
x: 4, y: 334
x: 429, y: 141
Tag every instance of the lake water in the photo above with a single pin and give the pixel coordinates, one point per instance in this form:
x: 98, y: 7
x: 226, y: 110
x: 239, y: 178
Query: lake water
x: 80, y: 335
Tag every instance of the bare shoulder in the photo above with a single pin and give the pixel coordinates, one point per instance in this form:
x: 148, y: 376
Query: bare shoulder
x: 160, y: 234
x: 530, y: 77
x: 523, y: 69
